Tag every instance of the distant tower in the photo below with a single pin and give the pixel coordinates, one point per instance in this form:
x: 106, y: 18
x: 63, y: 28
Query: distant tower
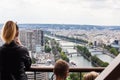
x: 42, y: 38
x: 116, y: 42
x: 26, y: 39
x: 29, y: 40
x: 32, y: 39
x: 95, y: 43
x: 23, y: 36
x: 39, y: 40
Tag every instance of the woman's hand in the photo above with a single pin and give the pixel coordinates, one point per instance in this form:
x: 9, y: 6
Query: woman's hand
x: 17, y: 41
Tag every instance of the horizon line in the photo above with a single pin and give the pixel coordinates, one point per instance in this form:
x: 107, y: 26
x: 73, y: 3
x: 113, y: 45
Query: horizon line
x: 66, y: 24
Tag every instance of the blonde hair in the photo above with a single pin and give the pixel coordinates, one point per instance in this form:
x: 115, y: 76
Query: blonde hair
x: 61, y: 69
x: 90, y: 76
x: 8, y: 31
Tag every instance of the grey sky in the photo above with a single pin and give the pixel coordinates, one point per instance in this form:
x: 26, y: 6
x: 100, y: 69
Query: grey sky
x: 98, y: 12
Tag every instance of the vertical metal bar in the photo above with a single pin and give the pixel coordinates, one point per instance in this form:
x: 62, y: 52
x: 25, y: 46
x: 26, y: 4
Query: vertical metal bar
x: 34, y: 75
x: 80, y: 75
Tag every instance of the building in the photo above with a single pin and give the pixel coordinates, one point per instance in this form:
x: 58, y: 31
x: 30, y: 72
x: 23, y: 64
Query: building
x: 39, y: 75
x: 27, y: 39
x: 32, y: 39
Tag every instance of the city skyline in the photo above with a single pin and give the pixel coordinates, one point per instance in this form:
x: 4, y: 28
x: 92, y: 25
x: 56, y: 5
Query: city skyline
x: 91, y: 12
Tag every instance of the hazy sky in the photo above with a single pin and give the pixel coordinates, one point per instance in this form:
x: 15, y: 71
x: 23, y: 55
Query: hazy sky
x: 98, y: 12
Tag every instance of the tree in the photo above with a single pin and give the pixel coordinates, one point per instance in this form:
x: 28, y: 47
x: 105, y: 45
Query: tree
x: 99, y: 62
x: 91, y: 44
x: 59, y: 49
x: 114, y: 51
x: 64, y: 57
x: 105, y: 64
x: 34, y: 60
x: 74, y: 76
x: 47, y: 49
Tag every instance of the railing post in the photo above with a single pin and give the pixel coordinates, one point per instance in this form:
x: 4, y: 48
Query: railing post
x: 34, y: 75
x: 80, y: 75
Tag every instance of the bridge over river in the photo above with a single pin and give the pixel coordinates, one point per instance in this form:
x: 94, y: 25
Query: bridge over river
x: 68, y: 47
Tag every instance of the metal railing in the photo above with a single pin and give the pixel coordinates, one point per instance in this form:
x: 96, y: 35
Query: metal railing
x: 50, y: 69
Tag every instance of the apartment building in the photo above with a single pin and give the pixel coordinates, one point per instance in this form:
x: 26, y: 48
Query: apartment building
x: 32, y: 39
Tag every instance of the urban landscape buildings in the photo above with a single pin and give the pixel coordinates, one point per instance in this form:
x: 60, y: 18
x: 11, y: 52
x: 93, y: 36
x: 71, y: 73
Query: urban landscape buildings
x: 33, y: 39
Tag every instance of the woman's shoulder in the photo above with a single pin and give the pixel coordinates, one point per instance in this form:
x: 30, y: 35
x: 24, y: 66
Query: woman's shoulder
x: 2, y: 47
x: 23, y: 48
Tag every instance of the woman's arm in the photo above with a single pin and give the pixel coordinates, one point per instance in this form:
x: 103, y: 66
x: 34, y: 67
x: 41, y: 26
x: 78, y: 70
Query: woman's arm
x: 27, y: 59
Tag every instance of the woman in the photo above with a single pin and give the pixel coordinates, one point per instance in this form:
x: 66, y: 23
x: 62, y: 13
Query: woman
x: 61, y: 70
x: 90, y: 76
x: 14, y: 58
